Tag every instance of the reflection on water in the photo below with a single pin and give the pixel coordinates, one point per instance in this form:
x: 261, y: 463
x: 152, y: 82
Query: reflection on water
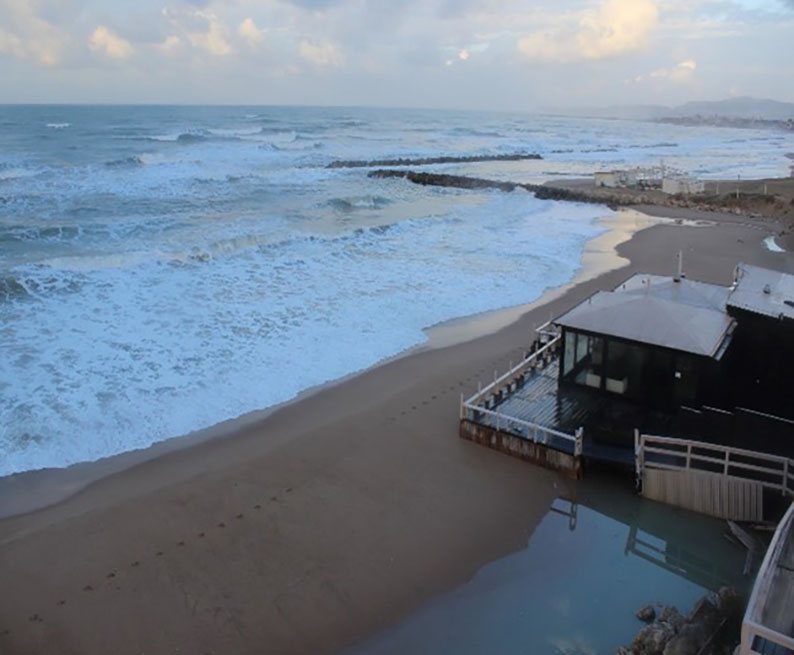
x: 591, y: 562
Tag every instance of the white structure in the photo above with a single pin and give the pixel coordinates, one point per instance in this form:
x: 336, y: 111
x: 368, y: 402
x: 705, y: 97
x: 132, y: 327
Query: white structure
x: 682, y: 184
x: 648, y: 177
x: 615, y: 178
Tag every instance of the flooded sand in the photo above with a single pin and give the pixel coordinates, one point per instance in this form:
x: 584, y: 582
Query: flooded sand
x: 589, y: 565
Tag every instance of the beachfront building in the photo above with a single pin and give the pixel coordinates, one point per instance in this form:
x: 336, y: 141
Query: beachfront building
x: 682, y: 184
x: 659, y: 355
x: 616, y: 178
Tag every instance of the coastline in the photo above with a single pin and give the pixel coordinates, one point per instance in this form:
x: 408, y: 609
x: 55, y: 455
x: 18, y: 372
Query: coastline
x: 356, y: 502
x: 29, y: 491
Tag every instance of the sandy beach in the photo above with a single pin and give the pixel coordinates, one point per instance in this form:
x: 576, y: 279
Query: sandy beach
x: 312, y: 526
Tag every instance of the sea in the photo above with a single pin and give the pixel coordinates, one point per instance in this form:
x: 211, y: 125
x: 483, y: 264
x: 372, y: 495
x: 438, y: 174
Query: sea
x: 166, y: 268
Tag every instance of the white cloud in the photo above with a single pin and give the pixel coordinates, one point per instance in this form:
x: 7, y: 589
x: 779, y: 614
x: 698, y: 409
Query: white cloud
x: 108, y: 42
x: 215, y: 39
x: 201, y: 29
x: 26, y: 34
x: 11, y: 44
x: 323, y: 53
x: 680, y: 73
x: 613, y: 28
x: 249, y: 31
x: 170, y: 44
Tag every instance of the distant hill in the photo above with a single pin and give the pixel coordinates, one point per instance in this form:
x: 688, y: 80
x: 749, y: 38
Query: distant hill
x: 735, y: 108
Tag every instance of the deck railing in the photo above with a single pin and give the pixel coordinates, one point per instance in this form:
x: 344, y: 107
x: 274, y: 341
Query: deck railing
x: 667, y: 453
x: 769, y: 574
x: 533, y: 360
x: 484, y: 403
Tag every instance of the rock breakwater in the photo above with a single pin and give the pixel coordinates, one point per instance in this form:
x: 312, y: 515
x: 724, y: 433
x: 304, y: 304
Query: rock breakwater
x: 426, y: 161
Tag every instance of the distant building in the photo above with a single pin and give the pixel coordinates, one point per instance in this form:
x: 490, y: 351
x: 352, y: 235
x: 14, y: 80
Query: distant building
x: 614, y: 179
x: 682, y: 184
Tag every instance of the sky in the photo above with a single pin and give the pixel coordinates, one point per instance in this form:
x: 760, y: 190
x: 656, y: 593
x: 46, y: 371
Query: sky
x: 466, y: 54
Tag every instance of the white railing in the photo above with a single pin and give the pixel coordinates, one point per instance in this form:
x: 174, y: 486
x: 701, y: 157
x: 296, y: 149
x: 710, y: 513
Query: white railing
x: 771, y: 471
x: 528, y: 430
x: 752, y: 625
x: 475, y: 406
x: 515, y: 372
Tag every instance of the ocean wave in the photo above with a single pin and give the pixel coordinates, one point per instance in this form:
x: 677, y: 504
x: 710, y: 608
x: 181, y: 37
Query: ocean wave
x: 471, y: 131
x: 663, y: 144
x: 133, y: 160
x: 12, y: 233
x: 32, y: 285
x: 359, y: 202
x: 58, y: 126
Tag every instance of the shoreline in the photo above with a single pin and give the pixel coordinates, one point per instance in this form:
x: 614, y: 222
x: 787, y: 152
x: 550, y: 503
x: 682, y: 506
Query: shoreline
x: 28, y: 491
x: 332, y: 518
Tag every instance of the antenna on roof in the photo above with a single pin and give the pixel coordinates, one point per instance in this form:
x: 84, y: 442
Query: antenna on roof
x: 680, y: 268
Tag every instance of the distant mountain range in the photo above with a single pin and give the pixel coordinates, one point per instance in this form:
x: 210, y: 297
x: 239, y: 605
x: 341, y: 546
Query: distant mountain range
x: 733, y: 108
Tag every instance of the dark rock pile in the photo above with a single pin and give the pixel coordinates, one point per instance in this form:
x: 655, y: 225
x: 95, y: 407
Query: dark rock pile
x: 541, y: 191
x: 438, y: 179
x: 712, y: 627
x: 424, y: 161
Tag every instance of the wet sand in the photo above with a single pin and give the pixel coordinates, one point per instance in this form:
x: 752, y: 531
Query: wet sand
x: 309, y: 527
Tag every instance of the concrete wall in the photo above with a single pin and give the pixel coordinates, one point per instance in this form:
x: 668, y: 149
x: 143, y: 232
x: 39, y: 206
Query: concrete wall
x: 521, y: 448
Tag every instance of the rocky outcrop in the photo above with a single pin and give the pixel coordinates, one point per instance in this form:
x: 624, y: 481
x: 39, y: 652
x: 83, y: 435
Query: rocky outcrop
x: 542, y: 191
x: 711, y: 627
x: 438, y: 179
x: 425, y: 161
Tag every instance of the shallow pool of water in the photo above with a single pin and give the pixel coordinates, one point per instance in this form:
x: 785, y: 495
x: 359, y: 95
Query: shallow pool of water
x: 574, y: 589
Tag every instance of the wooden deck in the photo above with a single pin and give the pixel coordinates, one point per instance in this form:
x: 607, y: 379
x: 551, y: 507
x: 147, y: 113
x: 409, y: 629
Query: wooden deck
x: 608, y: 422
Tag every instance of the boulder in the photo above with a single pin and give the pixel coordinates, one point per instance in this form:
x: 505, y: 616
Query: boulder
x: 688, y: 641
x: 646, y: 613
x: 652, y: 639
x: 672, y: 617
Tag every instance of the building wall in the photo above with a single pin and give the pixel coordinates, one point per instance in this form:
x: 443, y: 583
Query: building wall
x: 651, y: 376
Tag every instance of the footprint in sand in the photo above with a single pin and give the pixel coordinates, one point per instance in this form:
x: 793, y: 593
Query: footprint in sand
x: 35, y: 618
x: 135, y: 563
x: 88, y: 587
x: 180, y: 543
x: 239, y: 516
x: 159, y: 553
x: 61, y: 602
x: 221, y: 525
x: 111, y: 575
x: 200, y: 535
x: 257, y: 506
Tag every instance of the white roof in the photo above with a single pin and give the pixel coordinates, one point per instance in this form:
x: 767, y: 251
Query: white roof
x: 687, y: 316
x: 765, y: 292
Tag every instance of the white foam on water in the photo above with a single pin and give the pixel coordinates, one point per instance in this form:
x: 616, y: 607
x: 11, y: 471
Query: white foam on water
x: 131, y: 356
x: 772, y: 245
x: 58, y: 126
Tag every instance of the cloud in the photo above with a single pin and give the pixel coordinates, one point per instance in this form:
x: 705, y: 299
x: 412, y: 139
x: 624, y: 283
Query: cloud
x: 249, y: 31
x: 680, y: 73
x: 27, y: 34
x: 215, y: 39
x: 201, y: 29
x: 613, y: 28
x: 170, y: 44
x: 11, y: 44
x: 322, y: 53
x: 106, y: 41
